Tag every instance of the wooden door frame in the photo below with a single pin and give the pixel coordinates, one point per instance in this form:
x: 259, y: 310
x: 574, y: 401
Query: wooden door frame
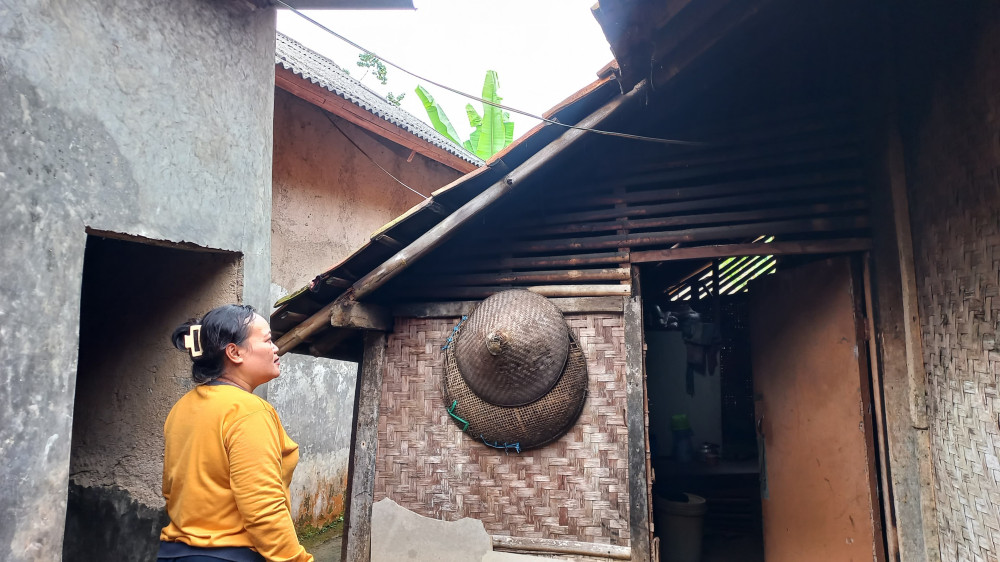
x: 876, y: 433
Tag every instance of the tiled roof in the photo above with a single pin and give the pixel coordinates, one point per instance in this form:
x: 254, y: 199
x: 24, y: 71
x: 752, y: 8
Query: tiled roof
x: 312, y: 66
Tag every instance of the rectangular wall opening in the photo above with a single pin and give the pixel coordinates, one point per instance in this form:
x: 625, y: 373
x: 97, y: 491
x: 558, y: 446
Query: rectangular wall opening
x: 129, y: 375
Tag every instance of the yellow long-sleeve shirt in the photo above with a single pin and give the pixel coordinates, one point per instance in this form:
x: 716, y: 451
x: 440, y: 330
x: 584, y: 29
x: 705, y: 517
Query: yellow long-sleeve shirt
x: 226, y: 473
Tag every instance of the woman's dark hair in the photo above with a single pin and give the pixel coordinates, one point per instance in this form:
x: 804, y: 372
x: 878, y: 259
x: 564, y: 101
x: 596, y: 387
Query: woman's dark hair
x: 220, y: 327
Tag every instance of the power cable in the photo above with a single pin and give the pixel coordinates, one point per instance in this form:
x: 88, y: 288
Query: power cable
x: 368, y: 156
x: 485, y: 101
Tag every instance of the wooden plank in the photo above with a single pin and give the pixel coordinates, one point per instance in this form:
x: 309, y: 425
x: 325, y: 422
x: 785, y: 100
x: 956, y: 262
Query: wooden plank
x: 603, y: 196
x: 729, y: 153
x: 796, y: 211
x: 482, y: 292
x: 832, y: 156
x: 708, y: 202
x: 909, y: 459
x: 911, y: 314
x: 364, y: 445
x: 526, y: 277
x: 878, y: 416
x: 693, y: 234
x: 639, y: 514
x: 836, y: 246
x: 444, y: 229
x: 361, y: 316
x: 323, y: 98
x: 455, y: 309
x: 534, y: 262
x: 527, y: 545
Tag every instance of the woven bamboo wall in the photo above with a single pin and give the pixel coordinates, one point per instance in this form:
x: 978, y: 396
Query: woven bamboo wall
x: 573, y: 489
x: 954, y: 166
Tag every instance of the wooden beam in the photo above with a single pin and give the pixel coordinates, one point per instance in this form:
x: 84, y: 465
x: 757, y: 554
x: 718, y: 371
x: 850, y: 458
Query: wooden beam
x: 545, y: 290
x: 832, y: 156
x: 534, y: 262
x: 911, y: 314
x: 708, y: 203
x: 364, y: 444
x: 450, y: 224
x: 455, y: 309
x: 639, y: 508
x: 836, y: 246
x: 361, y: 316
x: 689, y: 235
x: 325, y: 99
x: 601, y: 195
x: 528, y: 277
x: 526, y: 545
x: 328, y: 341
x: 709, y: 218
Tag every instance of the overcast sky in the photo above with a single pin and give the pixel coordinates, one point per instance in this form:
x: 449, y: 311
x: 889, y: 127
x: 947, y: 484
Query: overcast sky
x: 542, y: 50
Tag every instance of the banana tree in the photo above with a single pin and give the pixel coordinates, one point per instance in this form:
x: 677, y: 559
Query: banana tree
x: 492, y: 131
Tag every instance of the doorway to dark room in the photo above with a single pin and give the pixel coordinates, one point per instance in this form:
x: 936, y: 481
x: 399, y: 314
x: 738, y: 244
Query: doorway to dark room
x: 760, y: 417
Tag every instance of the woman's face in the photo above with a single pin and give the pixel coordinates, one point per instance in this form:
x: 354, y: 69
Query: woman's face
x: 260, y: 355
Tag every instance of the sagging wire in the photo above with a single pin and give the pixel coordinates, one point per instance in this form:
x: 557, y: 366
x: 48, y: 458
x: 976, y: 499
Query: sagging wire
x: 482, y: 100
x: 368, y: 156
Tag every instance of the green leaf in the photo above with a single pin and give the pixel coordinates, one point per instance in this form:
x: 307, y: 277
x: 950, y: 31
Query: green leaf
x: 437, y: 116
x: 474, y: 118
x: 496, y: 130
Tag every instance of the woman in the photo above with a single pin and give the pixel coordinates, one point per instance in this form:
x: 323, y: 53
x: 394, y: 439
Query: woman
x: 228, y: 461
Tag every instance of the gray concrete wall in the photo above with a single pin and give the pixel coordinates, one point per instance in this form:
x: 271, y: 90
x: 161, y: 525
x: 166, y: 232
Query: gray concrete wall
x: 146, y: 117
x: 328, y: 199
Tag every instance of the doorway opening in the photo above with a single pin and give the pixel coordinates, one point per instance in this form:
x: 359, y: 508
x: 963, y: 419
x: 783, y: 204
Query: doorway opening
x: 133, y: 294
x: 758, y: 383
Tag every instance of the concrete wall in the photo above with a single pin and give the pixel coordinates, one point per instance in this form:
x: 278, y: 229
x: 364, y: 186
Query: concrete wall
x: 129, y: 375
x: 328, y: 199
x: 146, y: 117
x: 949, y: 87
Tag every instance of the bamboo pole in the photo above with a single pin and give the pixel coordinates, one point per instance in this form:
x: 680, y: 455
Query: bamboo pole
x: 481, y: 292
x: 537, y: 262
x: 444, y: 229
x: 693, y: 234
x: 524, y: 277
x: 690, y: 220
x: 837, y: 193
x: 837, y: 246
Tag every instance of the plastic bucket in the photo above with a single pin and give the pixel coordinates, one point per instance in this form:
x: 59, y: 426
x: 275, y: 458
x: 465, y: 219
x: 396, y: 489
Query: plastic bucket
x: 679, y: 525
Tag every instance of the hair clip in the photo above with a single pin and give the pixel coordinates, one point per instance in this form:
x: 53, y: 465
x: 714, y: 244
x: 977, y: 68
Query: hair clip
x: 192, y: 341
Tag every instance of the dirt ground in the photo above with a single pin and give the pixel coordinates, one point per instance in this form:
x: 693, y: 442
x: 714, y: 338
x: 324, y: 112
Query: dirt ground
x: 325, y: 547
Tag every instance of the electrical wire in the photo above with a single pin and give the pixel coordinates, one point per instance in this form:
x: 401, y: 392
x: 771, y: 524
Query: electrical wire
x: 368, y: 156
x: 485, y: 101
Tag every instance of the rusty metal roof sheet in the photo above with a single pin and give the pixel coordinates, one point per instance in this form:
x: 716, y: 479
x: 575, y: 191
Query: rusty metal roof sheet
x: 312, y: 66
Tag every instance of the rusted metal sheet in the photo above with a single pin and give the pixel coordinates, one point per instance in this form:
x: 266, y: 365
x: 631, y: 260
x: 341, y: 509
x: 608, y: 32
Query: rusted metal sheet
x: 810, y: 383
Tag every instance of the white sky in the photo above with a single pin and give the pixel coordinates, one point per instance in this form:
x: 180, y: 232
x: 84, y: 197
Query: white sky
x: 542, y: 50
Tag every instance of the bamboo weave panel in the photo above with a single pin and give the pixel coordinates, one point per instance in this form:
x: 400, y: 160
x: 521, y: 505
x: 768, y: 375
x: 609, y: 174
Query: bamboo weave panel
x: 573, y: 489
x: 957, y: 257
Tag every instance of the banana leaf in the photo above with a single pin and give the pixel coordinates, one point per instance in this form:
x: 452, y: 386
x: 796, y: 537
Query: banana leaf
x: 492, y: 131
x: 495, y: 129
x: 438, y: 118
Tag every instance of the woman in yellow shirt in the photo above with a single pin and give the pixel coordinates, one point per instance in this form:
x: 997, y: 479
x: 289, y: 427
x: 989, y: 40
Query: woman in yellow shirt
x: 228, y: 461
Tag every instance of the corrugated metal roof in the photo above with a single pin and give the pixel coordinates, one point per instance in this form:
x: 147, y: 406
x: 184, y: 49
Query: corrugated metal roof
x: 312, y: 66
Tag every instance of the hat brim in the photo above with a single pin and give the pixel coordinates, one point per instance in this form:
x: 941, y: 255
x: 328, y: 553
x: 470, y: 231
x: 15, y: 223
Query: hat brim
x: 528, y: 426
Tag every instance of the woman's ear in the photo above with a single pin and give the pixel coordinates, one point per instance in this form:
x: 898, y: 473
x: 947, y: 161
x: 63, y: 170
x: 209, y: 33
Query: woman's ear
x: 234, y: 353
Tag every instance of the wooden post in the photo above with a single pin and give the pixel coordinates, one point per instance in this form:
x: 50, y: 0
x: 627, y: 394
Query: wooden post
x: 364, y: 444
x: 636, y: 398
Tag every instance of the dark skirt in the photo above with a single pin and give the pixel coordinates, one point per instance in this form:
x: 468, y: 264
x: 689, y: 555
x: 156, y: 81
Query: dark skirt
x: 180, y: 552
